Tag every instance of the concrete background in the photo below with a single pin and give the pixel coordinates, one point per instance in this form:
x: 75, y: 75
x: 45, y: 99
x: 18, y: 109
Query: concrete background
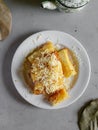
x: 29, y: 18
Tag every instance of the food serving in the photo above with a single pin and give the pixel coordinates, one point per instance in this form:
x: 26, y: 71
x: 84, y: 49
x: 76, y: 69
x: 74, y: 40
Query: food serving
x: 75, y: 85
x: 46, y: 69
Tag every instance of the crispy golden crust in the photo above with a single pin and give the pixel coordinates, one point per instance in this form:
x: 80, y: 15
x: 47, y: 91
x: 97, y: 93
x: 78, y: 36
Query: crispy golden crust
x: 68, y: 67
x: 57, y: 96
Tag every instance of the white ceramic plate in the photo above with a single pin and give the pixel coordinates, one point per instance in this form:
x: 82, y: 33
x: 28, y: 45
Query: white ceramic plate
x: 60, y: 38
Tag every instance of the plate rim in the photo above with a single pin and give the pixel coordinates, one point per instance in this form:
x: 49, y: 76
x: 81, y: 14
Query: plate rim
x: 87, y: 82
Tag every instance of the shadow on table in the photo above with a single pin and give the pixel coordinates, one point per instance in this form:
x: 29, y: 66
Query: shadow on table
x: 35, y: 4
x: 28, y: 2
x: 6, y: 70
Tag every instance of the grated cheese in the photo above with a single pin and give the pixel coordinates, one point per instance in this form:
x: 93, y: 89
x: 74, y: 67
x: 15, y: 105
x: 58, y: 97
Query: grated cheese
x: 47, y: 69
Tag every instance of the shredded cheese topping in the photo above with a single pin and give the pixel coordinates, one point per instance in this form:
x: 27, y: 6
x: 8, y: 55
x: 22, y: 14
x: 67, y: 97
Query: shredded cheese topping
x: 47, y: 69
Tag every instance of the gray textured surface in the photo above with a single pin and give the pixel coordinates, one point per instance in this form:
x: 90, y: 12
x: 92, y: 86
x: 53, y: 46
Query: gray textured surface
x: 28, y: 18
